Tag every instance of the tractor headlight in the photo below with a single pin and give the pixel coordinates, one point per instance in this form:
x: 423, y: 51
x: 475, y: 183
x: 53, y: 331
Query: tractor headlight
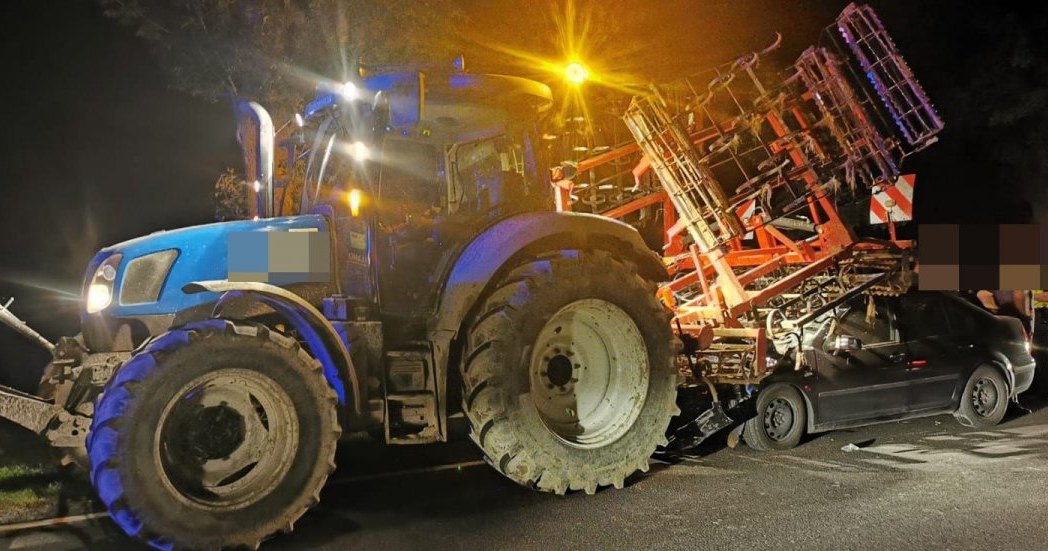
x: 349, y: 91
x: 354, y: 198
x: 359, y: 151
x: 100, y: 289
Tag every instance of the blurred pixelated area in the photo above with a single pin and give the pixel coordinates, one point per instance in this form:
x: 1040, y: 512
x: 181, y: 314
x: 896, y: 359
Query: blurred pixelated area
x: 983, y: 256
x: 280, y: 258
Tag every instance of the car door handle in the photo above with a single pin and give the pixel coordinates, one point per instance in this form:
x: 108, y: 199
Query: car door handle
x: 898, y: 358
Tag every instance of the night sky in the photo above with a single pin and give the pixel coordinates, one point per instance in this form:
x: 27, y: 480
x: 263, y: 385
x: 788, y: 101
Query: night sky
x: 98, y: 149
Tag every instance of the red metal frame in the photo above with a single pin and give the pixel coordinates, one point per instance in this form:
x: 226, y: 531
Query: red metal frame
x: 723, y: 278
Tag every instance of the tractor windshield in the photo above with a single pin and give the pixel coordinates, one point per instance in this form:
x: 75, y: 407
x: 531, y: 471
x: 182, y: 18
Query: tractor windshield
x: 422, y: 177
x: 336, y: 164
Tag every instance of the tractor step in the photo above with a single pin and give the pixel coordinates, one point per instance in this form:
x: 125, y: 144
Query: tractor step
x: 411, y: 401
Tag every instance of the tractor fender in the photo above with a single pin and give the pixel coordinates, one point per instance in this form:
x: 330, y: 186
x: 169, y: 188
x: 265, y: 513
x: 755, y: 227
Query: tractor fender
x: 321, y: 337
x: 513, y: 238
x: 501, y: 247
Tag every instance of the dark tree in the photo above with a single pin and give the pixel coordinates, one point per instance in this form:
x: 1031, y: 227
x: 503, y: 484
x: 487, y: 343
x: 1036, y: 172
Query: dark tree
x: 1008, y: 95
x: 275, y: 51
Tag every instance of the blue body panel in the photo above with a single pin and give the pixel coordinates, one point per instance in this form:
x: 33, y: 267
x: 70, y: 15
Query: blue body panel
x: 202, y: 255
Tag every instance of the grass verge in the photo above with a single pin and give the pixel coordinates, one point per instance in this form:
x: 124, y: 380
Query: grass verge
x: 26, y: 492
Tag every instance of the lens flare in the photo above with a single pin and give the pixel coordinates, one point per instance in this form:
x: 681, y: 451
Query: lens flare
x: 576, y: 73
x: 359, y: 151
x: 350, y: 91
x: 98, y: 297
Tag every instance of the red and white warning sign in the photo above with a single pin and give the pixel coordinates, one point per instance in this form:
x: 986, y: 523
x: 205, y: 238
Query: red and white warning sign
x: 894, y: 202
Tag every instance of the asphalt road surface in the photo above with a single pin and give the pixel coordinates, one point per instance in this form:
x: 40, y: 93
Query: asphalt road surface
x: 922, y: 484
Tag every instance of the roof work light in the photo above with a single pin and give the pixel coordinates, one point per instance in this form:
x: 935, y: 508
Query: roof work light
x: 575, y: 72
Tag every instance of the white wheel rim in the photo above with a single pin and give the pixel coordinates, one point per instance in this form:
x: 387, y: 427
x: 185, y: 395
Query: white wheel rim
x: 254, y: 465
x: 589, y: 373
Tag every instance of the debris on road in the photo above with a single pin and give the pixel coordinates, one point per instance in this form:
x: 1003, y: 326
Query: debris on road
x: 858, y: 445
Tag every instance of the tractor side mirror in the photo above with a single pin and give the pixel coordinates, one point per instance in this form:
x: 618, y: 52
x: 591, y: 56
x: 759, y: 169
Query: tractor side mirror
x: 846, y: 344
x: 407, y: 100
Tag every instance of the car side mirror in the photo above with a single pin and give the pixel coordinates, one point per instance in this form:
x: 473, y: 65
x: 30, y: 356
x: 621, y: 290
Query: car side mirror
x: 569, y: 169
x: 845, y: 344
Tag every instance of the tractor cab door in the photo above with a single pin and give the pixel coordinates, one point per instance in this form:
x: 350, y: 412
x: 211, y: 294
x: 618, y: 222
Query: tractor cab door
x: 434, y: 199
x: 408, y: 242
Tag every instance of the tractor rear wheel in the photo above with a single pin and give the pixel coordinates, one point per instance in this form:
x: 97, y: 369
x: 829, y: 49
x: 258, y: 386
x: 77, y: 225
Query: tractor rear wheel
x: 213, y: 435
x: 569, y: 381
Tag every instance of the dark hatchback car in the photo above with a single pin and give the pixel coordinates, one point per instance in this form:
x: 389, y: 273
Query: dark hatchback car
x: 919, y: 354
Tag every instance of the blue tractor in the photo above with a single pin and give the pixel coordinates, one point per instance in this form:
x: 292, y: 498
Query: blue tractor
x: 421, y: 273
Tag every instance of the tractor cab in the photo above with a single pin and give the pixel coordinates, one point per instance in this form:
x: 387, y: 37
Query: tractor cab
x: 410, y: 166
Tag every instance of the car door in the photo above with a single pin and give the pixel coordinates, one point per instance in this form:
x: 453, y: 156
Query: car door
x: 869, y: 382
x: 933, y: 347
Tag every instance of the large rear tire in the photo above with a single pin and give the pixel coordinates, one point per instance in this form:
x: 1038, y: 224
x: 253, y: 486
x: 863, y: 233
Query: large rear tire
x: 213, y: 435
x: 569, y: 381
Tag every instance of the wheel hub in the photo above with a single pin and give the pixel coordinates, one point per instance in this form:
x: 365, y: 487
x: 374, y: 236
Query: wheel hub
x: 984, y: 397
x: 215, y: 432
x: 226, y: 439
x: 559, y: 370
x: 778, y: 419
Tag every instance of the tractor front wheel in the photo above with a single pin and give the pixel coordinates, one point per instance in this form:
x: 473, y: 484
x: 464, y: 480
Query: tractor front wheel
x: 213, y: 435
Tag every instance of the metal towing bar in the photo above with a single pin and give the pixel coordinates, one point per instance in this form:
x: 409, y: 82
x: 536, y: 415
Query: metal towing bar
x: 25, y: 409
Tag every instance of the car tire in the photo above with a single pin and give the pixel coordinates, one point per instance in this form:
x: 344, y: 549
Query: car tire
x: 780, y: 422
x: 984, y: 400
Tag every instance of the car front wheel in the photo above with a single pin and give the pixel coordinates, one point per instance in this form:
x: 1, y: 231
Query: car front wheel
x: 780, y: 420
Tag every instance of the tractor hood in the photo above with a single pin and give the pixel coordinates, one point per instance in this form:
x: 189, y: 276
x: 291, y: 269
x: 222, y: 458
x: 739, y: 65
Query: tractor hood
x: 148, y: 276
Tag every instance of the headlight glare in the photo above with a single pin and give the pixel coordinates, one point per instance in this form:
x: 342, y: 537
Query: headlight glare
x: 99, y: 293
x: 98, y: 297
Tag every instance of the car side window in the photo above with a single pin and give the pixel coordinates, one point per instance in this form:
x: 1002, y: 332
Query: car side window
x: 960, y: 318
x: 923, y: 316
x: 856, y: 321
